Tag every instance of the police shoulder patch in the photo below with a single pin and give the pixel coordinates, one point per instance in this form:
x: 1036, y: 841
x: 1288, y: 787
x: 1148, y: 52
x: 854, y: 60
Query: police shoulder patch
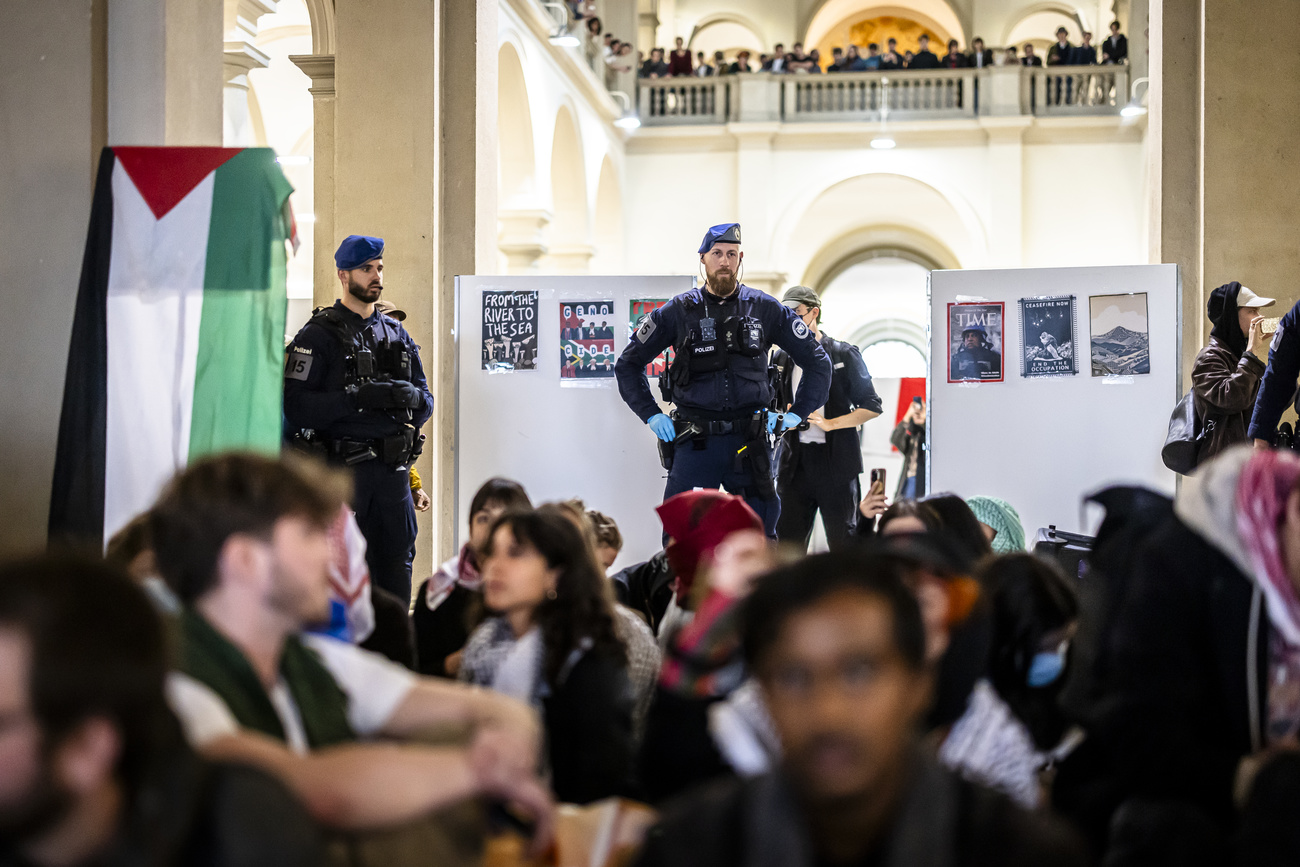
x: 298, y: 364
x: 645, y: 329
x: 800, y: 330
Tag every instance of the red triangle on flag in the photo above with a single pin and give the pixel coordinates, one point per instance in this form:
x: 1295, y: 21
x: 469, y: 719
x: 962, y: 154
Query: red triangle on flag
x: 166, y: 175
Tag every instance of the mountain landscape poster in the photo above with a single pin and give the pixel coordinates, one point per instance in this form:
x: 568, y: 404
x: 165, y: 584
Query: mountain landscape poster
x: 1121, y: 344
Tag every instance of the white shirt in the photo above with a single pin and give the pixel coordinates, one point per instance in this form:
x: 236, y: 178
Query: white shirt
x: 814, y: 434
x: 374, y: 686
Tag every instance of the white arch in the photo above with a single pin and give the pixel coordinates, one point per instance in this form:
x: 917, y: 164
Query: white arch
x: 879, y: 330
x: 515, y: 158
x: 970, y: 250
x: 608, y: 232
x: 1073, y: 13
x: 323, y: 34
x: 569, y: 229
x: 938, y: 14
x: 731, y: 28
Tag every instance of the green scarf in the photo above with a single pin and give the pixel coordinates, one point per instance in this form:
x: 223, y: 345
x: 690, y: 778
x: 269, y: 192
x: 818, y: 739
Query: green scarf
x: 208, y: 657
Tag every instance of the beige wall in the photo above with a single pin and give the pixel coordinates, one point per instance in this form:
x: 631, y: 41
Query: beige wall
x: 47, y: 162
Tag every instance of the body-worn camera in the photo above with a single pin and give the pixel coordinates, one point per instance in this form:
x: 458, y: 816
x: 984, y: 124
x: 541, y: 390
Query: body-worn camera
x: 744, y: 336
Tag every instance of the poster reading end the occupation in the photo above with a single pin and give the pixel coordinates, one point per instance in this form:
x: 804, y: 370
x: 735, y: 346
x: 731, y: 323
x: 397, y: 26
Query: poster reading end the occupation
x: 975, y: 342
x: 509, y: 330
x: 1048, y: 336
x: 640, y: 308
x: 1117, y: 326
x: 586, y: 342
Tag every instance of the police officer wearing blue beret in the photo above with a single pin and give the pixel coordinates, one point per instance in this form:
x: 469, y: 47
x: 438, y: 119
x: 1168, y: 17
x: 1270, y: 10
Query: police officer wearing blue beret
x: 717, y: 437
x: 355, y: 390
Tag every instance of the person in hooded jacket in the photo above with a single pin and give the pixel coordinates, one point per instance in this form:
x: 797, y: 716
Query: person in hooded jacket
x: 1205, y: 668
x: 1226, y: 374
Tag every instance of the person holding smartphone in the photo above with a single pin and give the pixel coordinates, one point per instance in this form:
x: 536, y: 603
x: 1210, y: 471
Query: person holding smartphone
x: 818, y: 468
x: 909, y: 438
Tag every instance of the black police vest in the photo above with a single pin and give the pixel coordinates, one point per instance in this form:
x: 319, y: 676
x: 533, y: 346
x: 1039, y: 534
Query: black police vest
x: 364, y: 360
x: 721, y: 363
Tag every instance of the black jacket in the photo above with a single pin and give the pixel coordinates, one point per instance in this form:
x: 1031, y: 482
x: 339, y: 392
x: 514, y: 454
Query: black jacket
x: 942, y: 820
x: 588, y: 718
x: 851, y: 389
x: 924, y: 60
x: 1178, y: 715
x: 195, y: 813
x: 646, y: 588
x: 1114, y: 52
x: 908, y: 438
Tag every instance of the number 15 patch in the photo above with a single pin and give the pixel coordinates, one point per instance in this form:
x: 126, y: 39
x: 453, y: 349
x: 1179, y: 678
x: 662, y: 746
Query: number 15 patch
x: 297, y: 365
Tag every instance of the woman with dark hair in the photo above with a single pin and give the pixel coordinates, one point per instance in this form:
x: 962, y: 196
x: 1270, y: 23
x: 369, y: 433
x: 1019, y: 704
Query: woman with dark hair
x: 906, y: 517
x: 959, y: 524
x: 554, y: 644
x: 1227, y: 372
x: 1013, y: 728
x: 450, y: 604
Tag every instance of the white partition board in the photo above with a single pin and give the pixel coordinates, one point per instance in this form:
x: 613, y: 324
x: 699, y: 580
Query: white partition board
x: 558, y: 441
x: 1043, y: 444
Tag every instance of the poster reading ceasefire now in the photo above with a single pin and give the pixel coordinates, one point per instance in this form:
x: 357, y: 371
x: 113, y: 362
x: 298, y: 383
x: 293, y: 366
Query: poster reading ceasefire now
x: 509, y: 330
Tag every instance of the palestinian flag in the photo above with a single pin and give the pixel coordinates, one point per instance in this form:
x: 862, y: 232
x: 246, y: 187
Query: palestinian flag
x: 178, y: 342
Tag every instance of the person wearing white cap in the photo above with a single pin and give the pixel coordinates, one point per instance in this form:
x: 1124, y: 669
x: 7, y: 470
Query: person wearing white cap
x: 1278, y: 387
x: 1227, y: 372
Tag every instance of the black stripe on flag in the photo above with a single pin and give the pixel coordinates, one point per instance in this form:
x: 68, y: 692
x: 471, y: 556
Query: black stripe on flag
x: 77, y: 500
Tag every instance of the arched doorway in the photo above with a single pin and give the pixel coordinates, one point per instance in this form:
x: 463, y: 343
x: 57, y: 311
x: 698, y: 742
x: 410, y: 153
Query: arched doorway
x: 516, y: 168
x: 859, y: 22
x: 729, y: 34
x: 1037, y: 26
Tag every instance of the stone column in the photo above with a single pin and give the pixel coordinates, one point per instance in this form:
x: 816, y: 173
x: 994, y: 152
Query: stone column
x: 466, y: 195
x: 523, y: 238
x: 239, y: 58
x: 1006, y: 195
x: 52, y: 111
x: 320, y: 69
x: 165, y: 72
x: 753, y: 212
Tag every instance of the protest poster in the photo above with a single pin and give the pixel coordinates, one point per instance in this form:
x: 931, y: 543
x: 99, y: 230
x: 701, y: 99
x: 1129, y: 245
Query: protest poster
x: 640, y: 308
x: 1048, y: 336
x: 586, y: 341
x: 509, y: 330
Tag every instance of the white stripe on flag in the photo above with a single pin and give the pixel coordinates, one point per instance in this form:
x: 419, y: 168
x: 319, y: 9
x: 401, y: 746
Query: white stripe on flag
x: 155, y: 300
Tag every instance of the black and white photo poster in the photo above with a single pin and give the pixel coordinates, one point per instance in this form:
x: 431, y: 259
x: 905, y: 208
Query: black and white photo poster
x: 509, y: 330
x: 1117, y: 328
x: 975, y: 342
x: 1048, y: 336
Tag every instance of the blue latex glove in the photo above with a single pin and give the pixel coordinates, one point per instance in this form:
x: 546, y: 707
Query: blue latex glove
x: 663, y: 427
x: 789, y: 421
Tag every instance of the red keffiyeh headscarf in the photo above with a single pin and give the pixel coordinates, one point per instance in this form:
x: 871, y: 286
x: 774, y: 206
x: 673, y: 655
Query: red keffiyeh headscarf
x: 697, y: 522
x: 1266, y: 483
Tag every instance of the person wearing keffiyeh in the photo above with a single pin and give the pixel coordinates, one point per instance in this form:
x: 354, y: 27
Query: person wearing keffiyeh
x: 1205, y: 668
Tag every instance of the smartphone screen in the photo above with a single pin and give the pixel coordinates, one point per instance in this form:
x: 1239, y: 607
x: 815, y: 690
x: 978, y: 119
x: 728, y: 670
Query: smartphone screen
x: 877, y: 481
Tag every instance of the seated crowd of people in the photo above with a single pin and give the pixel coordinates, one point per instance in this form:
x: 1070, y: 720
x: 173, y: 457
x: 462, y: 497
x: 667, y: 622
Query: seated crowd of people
x: 933, y: 694
x: 855, y: 58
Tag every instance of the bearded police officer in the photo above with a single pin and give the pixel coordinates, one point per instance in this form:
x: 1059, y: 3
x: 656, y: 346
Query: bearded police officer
x: 717, y: 437
x: 818, y: 468
x: 354, y: 389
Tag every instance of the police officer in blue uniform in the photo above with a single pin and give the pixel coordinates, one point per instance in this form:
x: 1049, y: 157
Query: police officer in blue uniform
x: 719, y: 382
x: 354, y: 390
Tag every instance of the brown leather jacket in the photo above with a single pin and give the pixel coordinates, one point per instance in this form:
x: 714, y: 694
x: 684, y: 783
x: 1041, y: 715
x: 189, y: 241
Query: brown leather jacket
x: 1224, y: 388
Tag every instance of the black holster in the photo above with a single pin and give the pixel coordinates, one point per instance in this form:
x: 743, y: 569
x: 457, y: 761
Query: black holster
x: 666, y: 451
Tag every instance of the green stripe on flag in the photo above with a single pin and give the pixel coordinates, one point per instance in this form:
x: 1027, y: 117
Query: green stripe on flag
x: 238, y: 381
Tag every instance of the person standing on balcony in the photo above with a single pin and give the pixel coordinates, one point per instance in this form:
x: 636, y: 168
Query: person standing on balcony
x: 655, y: 66
x: 891, y: 59
x: 954, y: 59
x: 1030, y: 58
x: 980, y: 57
x: 797, y: 60
x: 741, y: 64
x: 679, y: 62
x: 702, y: 67
x: 776, y: 63
x: 1115, y: 48
x: 837, y: 60
x: 1085, y: 54
x: 1062, y: 53
x: 924, y: 57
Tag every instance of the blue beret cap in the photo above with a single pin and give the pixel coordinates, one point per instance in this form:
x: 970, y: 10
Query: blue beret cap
x: 724, y: 233
x: 357, y: 250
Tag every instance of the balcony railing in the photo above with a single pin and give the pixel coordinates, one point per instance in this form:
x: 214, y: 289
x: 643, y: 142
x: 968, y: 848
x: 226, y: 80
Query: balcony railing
x: 863, y: 95
x: 901, y: 95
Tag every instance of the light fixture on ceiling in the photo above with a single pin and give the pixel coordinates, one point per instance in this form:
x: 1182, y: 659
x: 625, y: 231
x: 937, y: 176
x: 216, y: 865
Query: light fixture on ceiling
x: 884, y: 143
x: 629, y: 120
x: 1135, y: 107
